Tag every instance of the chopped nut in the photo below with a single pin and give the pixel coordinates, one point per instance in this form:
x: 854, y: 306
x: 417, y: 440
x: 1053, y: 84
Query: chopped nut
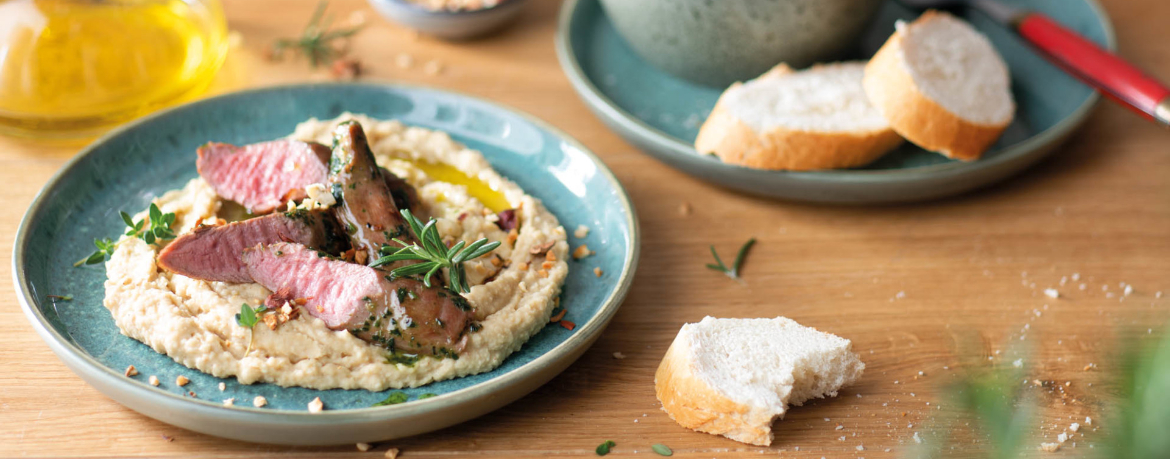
x: 229, y: 402
x: 522, y: 266
x: 222, y: 387
x: 392, y: 453
x: 131, y: 371
x: 542, y: 273
x: 361, y: 257
x: 259, y: 401
x: 363, y: 447
x: 550, y: 256
x: 581, y: 232
x: 512, y: 235
x: 1050, y: 447
x: 496, y: 260
x: 619, y: 355
x: 547, y: 265
x: 541, y: 248
x: 597, y: 272
x: 271, y: 321
x: 154, y: 380
x: 582, y: 251
x: 182, y: 381
x: 316, y: 405
x: 320, y: 308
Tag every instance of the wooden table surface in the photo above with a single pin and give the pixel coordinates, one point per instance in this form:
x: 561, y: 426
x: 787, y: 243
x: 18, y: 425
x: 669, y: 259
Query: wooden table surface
x: 903, y: 282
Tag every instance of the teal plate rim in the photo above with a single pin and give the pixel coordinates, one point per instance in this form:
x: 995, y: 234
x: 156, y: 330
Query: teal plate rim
x: 607, y: 108
x: 73, y: 357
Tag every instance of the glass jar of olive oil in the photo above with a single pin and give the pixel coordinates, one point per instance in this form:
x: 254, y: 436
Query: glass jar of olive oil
x: 73, y: 68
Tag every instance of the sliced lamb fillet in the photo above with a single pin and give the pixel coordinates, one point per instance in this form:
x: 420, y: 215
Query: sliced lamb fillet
x: 212, y: 253
x: 366, y: 208
x: 400, y: 314
x: 263, y: 176
x: 404, y: 194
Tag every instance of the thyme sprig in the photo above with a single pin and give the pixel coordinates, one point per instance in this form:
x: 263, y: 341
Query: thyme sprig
x: 732, y: 272
x: 248, y: 318
x: 433, y: 254
x: 159, y: 230
x: 317, y: 42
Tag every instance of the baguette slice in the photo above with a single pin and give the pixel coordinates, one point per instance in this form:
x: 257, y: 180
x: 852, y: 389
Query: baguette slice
x: 813, y: 119
x: 942, y: 86
x: 735, y: 377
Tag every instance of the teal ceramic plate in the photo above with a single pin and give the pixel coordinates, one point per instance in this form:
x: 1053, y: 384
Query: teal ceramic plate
x: 661, y: 114
x: 127, y: 168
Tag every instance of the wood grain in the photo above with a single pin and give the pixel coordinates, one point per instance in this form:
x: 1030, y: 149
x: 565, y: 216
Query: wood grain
x: 905, y: 283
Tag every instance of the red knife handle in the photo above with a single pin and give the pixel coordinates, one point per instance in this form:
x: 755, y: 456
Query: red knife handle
x: 1097, y: 67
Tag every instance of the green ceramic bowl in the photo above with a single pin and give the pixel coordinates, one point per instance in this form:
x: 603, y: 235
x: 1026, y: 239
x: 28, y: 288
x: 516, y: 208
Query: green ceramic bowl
x: 128, y: 167
x: 661, y: 114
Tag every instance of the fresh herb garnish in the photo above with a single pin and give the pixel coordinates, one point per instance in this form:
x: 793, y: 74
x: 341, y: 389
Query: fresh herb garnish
x: 248, y: 318
x: 159, y: 230
x: 733, y: 272
x: 661, y: 449
x: 604, y: 448
x: 60, y: 297
x: 394, y: 398
x: 427, y: 395
x: 317, y: 42
x: 433, y: 254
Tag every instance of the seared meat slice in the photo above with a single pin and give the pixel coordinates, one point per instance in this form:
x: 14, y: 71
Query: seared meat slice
x: 213, y: 253
x: 402, y: 314
x: 263, y: 176
x: 404, y: 194
x: 366, y: 208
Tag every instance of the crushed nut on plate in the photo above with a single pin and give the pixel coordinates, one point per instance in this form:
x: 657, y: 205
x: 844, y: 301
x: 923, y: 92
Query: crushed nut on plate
x: 182, y: 381
x: 154, y: 380
x: 316, y: 405
x: 363, y: 447
x: 581, y: 232
x: 392, y: 453
x: 582, y: 251
x: 598, y: 272
x: 259, y: 401
x: 131, y: 371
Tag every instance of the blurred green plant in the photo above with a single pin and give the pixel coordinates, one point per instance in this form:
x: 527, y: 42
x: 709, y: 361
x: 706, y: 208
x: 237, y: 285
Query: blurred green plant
x: 1139, y: 423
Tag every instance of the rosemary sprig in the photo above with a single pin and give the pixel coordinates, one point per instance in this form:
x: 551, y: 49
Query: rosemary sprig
x: 732, y: 272
x: 317, y: 41
x: 159, y: 230
x: 433, y: 254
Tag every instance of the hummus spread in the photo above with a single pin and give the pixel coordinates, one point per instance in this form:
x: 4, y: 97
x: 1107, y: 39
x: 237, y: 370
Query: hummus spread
x: 513, y: 290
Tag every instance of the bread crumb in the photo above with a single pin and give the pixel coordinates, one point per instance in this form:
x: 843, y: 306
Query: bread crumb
x: 619, y: 355
x: 404, y: 61
x: 1076, y: 276
x: 582, y: 251
x: 1019, y: 363
x: 259, y: 401
x: 917, y: 439
x: 131, y: 371
x: 363, y: 447
x: 1088, y: 421
x: 1050, y: 447
x: 598, y: 272
x: 154, y: 380
x: 222, y: 387
x: 392, y: 453
x: 1063, y: 437
x: 182, y: 381
x: 1074, y: 427
x: 433, y: 68
x: 684, y: 209
x: 1128, y: 290
x: 581, y: 232
x: 840, y: 427
x: 229, y: 402
x: 1051, y: 293
x: 316, y: 405
x: 861, y: 447
x: 1084, y: 286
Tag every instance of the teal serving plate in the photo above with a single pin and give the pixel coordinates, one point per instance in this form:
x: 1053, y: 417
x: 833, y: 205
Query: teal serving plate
x: 127, y: 168
x: 661, y: 114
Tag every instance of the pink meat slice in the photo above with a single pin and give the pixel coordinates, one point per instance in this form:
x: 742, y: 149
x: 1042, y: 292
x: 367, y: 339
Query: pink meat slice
x: 263, y: 176
x: 400, y: 314
x: 212, y: 253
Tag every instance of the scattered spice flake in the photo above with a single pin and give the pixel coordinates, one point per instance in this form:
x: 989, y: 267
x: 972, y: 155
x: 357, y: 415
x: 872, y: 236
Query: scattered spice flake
x: 181, y: 381
x: 392, y: 453
x: 131, y: 371
x: 581, y: 232
x: 569, y: 325
x: 619, y: 355
x: 363, y: 447
x: 558, y: 316
x: 316, y: 405
x: 259, y: 401
x: 582, y: 251
x: 598, y: 272
x: 154, y: 380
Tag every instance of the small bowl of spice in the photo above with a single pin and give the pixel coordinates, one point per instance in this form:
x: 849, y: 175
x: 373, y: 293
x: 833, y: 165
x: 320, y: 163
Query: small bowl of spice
x: 451, y: 19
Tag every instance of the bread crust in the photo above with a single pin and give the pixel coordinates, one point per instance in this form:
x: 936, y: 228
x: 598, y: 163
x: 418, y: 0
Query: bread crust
x: 734, y: 142
x: 693, y: 404
x: 924, y: 122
